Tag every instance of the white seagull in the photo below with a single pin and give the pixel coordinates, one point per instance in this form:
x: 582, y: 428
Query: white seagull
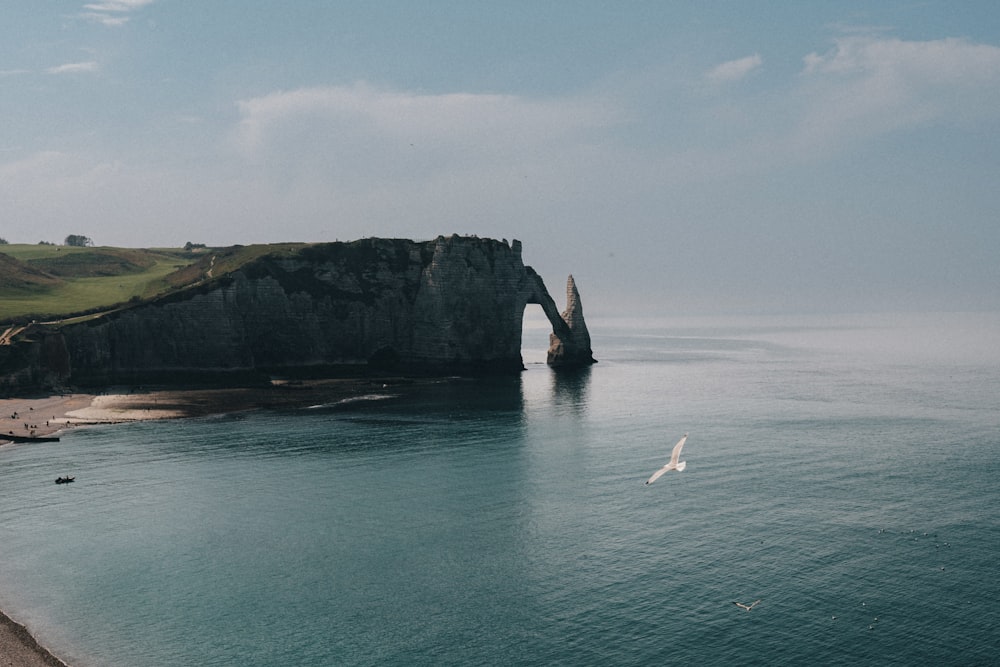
x: 750, y: 606
x: 674, y: 463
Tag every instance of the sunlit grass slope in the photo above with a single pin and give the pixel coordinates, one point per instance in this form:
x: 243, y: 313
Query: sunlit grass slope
x: 47, y: 282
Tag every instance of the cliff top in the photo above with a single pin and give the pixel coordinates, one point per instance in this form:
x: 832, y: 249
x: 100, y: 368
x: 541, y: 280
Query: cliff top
x: 54, y: 283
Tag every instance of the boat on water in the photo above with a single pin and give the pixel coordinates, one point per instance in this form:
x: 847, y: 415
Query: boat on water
x: 65, y: 480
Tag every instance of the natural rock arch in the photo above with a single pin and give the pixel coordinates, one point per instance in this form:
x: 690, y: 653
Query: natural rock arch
x: 569, y: 342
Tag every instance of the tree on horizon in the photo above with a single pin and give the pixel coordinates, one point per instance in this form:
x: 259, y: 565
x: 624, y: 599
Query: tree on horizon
x: 78, y: 240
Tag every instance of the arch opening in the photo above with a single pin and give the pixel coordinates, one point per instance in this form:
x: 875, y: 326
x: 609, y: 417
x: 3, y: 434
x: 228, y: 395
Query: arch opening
x: 535, y: 331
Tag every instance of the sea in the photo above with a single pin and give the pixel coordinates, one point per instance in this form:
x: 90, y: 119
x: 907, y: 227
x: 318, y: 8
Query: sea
x: 844, y: 471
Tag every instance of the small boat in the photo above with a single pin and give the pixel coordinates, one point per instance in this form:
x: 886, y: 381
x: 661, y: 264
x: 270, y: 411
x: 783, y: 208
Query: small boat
x: 65, y: 480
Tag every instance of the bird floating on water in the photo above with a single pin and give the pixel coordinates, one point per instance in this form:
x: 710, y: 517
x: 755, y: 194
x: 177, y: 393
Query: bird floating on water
x: 748, y: 607
x: 674, y: 463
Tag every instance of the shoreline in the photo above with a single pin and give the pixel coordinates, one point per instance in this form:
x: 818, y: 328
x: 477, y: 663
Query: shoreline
x: 51, y: 415
x: 19, y: 647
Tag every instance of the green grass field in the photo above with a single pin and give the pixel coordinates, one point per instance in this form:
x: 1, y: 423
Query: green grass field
x: 50, y: 282
x: 82, y: 279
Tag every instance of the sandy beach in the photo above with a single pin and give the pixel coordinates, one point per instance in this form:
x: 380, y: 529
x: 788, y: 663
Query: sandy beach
x: 48, y: 416
x: 41, y: 416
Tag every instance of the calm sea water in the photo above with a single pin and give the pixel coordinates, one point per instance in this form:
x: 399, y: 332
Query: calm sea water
x: 842, y: 471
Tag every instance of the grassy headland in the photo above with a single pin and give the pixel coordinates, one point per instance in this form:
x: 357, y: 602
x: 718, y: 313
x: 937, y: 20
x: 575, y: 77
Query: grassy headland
x: 50, y: 282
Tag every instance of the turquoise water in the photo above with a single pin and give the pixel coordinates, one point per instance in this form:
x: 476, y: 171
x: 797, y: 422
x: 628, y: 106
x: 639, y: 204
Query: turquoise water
x: 839, y: 470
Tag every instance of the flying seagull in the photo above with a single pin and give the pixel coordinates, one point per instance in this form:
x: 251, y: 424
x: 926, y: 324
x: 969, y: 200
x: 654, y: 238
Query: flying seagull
x: 674, y: 464
x: 748, y: 607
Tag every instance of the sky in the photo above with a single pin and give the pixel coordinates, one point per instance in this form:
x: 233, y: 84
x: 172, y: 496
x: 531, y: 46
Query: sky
x: 676, y: 157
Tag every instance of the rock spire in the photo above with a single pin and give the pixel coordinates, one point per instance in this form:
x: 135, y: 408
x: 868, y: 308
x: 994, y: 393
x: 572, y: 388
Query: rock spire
x: 570, y: 346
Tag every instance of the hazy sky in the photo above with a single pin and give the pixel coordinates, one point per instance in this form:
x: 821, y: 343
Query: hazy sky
x: 676, y: 157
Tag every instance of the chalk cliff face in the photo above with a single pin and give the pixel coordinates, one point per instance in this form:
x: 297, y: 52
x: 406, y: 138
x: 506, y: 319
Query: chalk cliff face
x: 451, y: 305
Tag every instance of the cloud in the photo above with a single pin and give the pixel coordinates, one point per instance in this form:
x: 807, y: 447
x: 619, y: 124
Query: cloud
x: 104, y: 19
x: 734, y: 70
x: 118, y: 5
x: 70, y: 68
x: 375, y: 128
x: 867, y: 86
x: 405, y: 162
x: 111, y: 12
x: 439, y: 117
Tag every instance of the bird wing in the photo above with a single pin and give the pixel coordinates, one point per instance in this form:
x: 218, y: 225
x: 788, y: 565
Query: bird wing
x: 657, y: 474
x: 748, y: 607
x: 674, y: 455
